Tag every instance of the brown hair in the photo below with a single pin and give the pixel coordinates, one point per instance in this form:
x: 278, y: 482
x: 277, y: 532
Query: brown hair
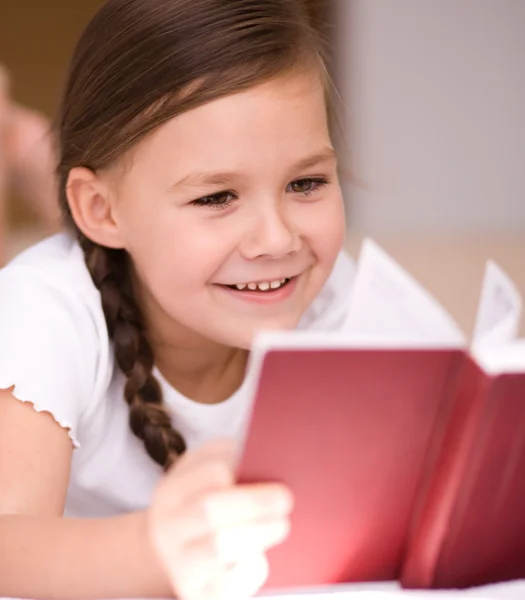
x: 138, y: 64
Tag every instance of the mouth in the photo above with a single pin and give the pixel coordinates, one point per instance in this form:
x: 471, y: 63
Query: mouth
x: 262, y: 292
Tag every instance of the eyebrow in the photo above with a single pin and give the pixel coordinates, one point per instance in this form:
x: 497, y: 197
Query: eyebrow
x: 202, y: 178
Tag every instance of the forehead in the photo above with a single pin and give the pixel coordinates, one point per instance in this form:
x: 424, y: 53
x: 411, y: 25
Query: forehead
x: 279, y: 117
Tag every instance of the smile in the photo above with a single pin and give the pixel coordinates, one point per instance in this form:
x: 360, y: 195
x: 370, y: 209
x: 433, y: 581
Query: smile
x: 264, y: 293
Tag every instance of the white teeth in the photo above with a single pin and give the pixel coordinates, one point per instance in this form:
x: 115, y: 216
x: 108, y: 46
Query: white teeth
x: 264, y: 286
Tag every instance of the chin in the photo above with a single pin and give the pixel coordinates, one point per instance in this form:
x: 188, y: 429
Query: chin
x: 248, y: 338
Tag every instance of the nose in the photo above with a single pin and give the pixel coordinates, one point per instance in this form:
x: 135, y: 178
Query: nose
x: 270, y: 235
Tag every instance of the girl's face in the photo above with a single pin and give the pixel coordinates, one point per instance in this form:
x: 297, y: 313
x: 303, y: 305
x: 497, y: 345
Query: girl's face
x: 240, y: 191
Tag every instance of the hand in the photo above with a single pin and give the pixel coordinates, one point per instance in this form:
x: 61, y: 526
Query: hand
x: 210, y: 534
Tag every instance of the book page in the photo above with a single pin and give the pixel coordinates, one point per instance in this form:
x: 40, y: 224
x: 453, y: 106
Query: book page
x: 499, y: 311
x: 387, y: 301
x: 497, y: 359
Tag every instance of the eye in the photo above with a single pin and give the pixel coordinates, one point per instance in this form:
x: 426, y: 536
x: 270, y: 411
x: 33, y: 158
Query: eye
x: 218, y: 201
x: 307, y: 185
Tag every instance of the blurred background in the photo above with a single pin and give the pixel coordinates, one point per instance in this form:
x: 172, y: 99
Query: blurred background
x: 433, y: 140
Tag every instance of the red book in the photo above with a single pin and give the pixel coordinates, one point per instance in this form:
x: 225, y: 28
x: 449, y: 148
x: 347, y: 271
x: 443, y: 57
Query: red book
x: 406, y: 458
x: 470, y: 526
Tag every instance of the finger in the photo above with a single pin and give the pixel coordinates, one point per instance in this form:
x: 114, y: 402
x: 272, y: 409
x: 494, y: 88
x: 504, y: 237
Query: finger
x: 197, y: 518
x: 214, y: 581
x: 191, y: 567
x: 227, y: 545
x: 246, y: 503
x: 241, y: 581
x: 234, y: 543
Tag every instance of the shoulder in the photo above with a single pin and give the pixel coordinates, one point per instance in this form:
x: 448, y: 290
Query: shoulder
x: 329, y: 309
x: 56, y: 260
x: 54, y: 345
x: 50, y: 281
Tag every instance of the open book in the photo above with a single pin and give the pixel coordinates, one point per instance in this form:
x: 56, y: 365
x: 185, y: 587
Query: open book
x: 403, y: 443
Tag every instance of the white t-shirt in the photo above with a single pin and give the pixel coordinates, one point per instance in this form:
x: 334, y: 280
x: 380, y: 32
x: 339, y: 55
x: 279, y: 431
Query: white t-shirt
x: 55, y: 350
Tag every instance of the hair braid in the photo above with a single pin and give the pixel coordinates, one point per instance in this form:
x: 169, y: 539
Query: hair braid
x: 148, y: 418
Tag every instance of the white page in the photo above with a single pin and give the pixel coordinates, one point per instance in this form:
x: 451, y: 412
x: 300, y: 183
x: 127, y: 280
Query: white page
x: 497, y: 359
x: 499, y: 310
x: 387, y: 301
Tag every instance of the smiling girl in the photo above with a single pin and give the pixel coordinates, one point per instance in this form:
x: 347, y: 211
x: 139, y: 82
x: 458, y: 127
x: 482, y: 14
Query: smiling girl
x: 199, y: 182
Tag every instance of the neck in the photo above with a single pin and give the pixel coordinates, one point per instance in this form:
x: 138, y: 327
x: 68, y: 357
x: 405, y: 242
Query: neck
x: 206, y: 377
x: 200, y: 369
x: 206, y: 381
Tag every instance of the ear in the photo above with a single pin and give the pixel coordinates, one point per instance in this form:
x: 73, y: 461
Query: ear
x: 91, y: 207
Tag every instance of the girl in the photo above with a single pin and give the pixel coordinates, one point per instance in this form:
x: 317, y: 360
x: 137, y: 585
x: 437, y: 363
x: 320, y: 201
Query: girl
x: 199, y: 182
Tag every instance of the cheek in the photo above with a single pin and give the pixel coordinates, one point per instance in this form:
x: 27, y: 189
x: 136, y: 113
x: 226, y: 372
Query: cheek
x: 178, y: 254
x: 324, y: 227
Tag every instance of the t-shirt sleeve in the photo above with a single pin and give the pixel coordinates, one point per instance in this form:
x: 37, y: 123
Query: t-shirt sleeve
x: 48, y: 349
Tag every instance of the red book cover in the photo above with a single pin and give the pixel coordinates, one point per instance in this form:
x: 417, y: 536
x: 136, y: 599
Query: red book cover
x: 350, y: 431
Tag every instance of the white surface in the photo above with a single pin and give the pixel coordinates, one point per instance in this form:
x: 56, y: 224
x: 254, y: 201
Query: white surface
x: 513, y: 590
